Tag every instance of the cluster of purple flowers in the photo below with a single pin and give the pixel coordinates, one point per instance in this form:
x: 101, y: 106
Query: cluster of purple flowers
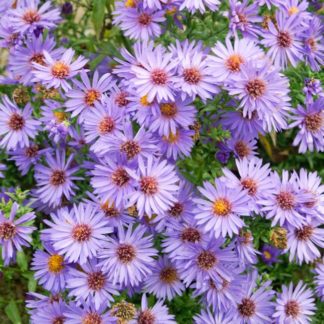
x: 123, y: 132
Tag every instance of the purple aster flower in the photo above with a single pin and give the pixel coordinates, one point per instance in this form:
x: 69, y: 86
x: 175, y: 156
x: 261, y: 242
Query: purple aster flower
x: 207, y: 317
x: 243, y: 246
x: 77, y: 233
x: 137, y: 22
x: 195, y: 5
x: 304, y: 242
x: 253, y: 176
x: 5, y: 6
x: 50, y: 269
x: 157, y: 184
x: 220, y: 209
x: 22, y: 59
x: 269, y: 3
x: 112, y: 181
x: 8, y: 37
x: 120, y: 96
x: 26, y: 157
x: 55, y: 181
x: 154, y: 76
x: 283, y: 204
x: 164, y: 281
x: 36, y: 301
x: 283, y: 40
x: 298, y: 8
x: 295, y: 305
x: 314, y: 44
x: 91, y: 285
x: 227, y: 60
x: 254, y: 305
x: 270, y: 254
x: 27, y: 16
x: 310, y: 121
x: 14, y: 234
x: 243, y: 18
x: 2, y: 168
x: 158, y: 314
x: 56, y: 71
x: 260, y: 88
x: 87, y: 93
x: 87, y: 314
x: 200, y: 262
x: 52, y: 313
x: 242, y: 146
x: 312, y: 87
x: 16, y: 126
x: 67, y: 8
x: 170, y: 116
x: 127, y: 258
x: 319, y: 279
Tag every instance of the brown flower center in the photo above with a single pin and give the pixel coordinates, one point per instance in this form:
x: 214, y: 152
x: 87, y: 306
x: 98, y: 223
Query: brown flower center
x: 222, y: 207
x: 149, y: 185
x: 242, y: 18
x: 311, y: 43
x: 169, y: 275
x: 7, y: 230
x: 55, y: 263
x: 286, y: 200
x: 131, y: 148
x: 126, y: 253
x: 304, y: 233
x: 92, y: 318
x: 58, y: 177
x: 96, y: 280
x: 38, y: 58
x: 206, y: 260
x: 121, y: 99
x: 144, y: 19
x: 60, y: 70
x: 124, y: 311
x: 256, y: 88
x: 58, y: 320
x: 250, y: 185
x: 120, y: 177
x: 81, y: 233
x: 247, y: 307
x: 233, y: 63
x: 314, y: 122
x: 191, y: 75
x: 292, y: 308
x: 190, y: 235
x: 284, y: 39
x: 91, y: 97
x: 176, y: 209
x: 168, y: 109
x: 16, y: 122
x: 31, y: 151
x: 146, y: 317
x: 109, y: 210
x: 242, y: 149
x: 106, y: 125
x: 31, y: 16
x: 159, y: 77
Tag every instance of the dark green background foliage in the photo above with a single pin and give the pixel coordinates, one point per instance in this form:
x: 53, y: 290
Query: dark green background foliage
x: 103, y: 39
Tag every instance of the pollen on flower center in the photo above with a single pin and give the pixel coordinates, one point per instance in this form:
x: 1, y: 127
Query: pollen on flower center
x: 55, y: 263
x: 60, y: 70
x: 168, y: 109
x: 106, y: 125
x: 96, y: 280
x: 144, y: 19
x: 58, y: 177
x: 246, y: 307
x: 314, y: 122
x: 285, y: 200
x: 304, y: 233
x: 206, y: 260
x: 38, y: 58
x: 191, y: 75
x: 191, y: 235
x: 124, y: 311
x: 60, y: 116
x: 168, y: 275
x: 144, y: 102
x: 233, y: 63
x: 149, y: 185
x: 81, y: 233
x: 92, y: 318
x: 176, y: 210
x: 267, y: 255
x: 121, y: 99
x: 293, y: 10
x: 221, y: 207
x: 31, y: 151
x: 284, y: 39
x: 159, y: 77
x: 7, y: 230
x: 256, y: 88
x: 130, y: 4
x: 126, y: 253
x: 242, y: 18
x: 292, y: 308
x: 250, y: 185
x: 242, y: 149
x: 31, y: 16
x: 91, y: 97
x: 146, y: 317
x: 311, y: 43
x: 109, y: 210
x: 58, y: 320
x: 16, y: 122
x: 120, y: 177
x: 172, y: 138
x: 131, y: 148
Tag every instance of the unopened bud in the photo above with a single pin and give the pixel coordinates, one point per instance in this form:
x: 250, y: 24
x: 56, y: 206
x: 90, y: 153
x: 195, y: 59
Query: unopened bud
x: 21, y: 96
x: 124, y: 312
x: 278, y: 237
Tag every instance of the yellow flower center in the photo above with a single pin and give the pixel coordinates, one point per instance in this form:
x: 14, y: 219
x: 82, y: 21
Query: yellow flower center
x: 172, y: 138
x: 168, y: 109
x: 60, y: 116
x: 267, y: 255
x: 221, y: 207
x: 55, y: 263
x: 130, y: 4
x: 293, y: 10
x: 144, y: 102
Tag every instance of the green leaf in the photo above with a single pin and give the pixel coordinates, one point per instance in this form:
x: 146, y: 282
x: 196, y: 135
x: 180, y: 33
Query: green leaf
x: 32, y: 283
x: 13, y: 313
x: 98, y: 16
x: 22, y: 261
